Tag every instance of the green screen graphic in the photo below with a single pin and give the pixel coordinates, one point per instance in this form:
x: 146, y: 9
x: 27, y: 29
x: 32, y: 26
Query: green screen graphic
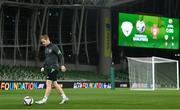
x: 136, y: 30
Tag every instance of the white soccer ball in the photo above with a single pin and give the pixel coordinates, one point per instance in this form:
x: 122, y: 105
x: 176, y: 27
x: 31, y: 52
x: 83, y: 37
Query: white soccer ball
x: 28, y: 100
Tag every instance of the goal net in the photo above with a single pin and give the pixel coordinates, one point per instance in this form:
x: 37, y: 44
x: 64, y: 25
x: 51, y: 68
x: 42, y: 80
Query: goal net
x: 152, y: 73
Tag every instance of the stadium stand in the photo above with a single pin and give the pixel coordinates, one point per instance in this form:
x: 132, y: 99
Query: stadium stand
x: 20, y: 73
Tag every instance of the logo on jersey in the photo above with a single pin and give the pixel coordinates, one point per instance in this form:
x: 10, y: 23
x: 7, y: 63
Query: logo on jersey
x: 50, y: 50
x: 59, y: 52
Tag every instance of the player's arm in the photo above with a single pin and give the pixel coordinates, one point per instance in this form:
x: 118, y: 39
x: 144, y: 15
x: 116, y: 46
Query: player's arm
x: 60, y: 57
x: 43, y: 67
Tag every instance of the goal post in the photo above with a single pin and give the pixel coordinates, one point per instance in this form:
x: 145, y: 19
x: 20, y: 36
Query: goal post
x: 150, y: 73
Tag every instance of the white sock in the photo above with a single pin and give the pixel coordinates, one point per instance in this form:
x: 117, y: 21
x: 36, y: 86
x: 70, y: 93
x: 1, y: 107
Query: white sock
x: 63, y: 96
x: 45, y: 97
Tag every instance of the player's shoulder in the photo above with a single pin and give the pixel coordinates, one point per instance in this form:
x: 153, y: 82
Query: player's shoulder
x: 54, y: 46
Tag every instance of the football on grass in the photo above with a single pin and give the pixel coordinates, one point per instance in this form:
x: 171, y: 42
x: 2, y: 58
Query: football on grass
x: 28, y: 100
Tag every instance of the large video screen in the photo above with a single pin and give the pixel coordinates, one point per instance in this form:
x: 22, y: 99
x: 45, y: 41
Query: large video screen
x: 135, y: 30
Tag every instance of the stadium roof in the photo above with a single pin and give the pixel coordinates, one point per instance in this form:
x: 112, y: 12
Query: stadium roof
x: 66, y: 3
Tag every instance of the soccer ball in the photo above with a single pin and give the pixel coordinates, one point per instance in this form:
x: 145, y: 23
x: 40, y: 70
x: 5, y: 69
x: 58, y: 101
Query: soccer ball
x: 28, y: 100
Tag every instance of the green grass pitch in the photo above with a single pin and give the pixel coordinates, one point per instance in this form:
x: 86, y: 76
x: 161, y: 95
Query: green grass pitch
x: 94, y: 99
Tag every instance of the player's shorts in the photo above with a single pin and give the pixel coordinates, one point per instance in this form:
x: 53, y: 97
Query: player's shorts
x: 52, y: 74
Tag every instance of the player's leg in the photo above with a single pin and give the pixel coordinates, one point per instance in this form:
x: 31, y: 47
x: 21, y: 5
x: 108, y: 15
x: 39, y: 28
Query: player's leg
x: 57, y: 86
x: 48, y: 88
x: 50, y: 79
x: 47, y: 92
x: 60, y: 90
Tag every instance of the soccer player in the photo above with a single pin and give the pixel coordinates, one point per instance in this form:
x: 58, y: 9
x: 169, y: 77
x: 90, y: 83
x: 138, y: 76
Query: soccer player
x: 51, y: 65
